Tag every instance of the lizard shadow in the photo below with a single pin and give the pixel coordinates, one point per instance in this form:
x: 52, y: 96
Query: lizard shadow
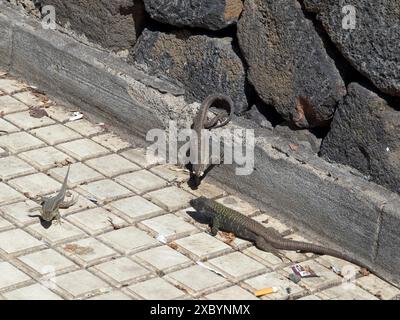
x: 199, y: 217
x: 45, y: 224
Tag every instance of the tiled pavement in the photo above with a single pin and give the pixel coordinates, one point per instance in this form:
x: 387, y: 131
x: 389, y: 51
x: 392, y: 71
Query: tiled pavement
x: 129, y: 236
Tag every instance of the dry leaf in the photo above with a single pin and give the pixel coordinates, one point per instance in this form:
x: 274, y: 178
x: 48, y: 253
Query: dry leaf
x: 173, y: 245
x: 365, y: 272
x: 38, y: 112
x: 293, y: 146
x: 228, y: 237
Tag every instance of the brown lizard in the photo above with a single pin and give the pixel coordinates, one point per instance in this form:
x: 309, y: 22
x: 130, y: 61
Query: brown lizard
x: 266, y: 239
x: 201, y: 122
x: 50, y: 205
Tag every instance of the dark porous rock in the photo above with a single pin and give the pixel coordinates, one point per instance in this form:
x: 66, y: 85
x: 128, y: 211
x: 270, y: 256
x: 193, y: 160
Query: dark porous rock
x: 288, y: 63
x: 112, y: 24
x: 365, y: 134
x: 373, y: 46
x: 204, y: 65
x: 211, y: 15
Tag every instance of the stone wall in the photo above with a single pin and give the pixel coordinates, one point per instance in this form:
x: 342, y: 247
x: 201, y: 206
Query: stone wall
x: 311, y: 62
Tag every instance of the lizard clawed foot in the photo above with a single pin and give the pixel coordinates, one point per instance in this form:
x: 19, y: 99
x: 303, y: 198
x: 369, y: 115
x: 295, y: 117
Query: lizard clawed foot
x: 58, y: 221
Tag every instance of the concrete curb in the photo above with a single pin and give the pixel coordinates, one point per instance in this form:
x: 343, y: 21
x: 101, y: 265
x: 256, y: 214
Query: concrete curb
x: 346, y: 210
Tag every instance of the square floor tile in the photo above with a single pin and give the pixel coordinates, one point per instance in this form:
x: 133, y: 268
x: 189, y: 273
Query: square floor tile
x: 19, y: 212
x: 22, y: 242
x: 197, y: 280
x: 351, y: 292
x: 35, y: 185
x: 171, y: 198
x: 141, y: 181
x: 78, y: 174
x: 84, y: 127
x: 45, y: 158
x: 273, y: 223
x: 112, y: 165
x: 169, y: 227
x: 325, y: 277
x: 266, y: 258
x: 122, y: 271
x: 231, y: 293
x: 239, y: 205
x: 59, y: 113
x: 112, y: 142
x: 274, y: 279
x: 205, y: 190
x: 156, y: 289
x: 25, y: 121
x: 5, y: 225
x: 12, y: 167
x: 10, y: 86
x: 19, y: 142
x: 105, y: 190
x: 80, y: 284
x: 170, y: 173
x: 129, y: 240
x: 83, y: 149
x: 30, y: 99
x: 202, y: 246
x: 113, y: 295
x: 9, y: 104
x: 7, y: 126
x: 57, y: 234
x: 378, y: 287
x: 11, y: 276
x: 164, y: 259
x: 135, y: 209
x: 47, y: 261
x: 330, y: 262
x: 32, y: 292
x: 56, y: 134
x: 236, y: 266
x: 8, y: 194
x: 97, y: 220
x: 139, y: 157
x: 87, y: 252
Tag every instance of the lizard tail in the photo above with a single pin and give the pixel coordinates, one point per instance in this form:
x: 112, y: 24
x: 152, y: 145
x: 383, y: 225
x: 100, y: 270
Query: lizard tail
x: 309, y: 247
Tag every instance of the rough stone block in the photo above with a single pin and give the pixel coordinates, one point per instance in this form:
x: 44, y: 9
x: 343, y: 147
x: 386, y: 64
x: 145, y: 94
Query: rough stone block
x: 289, y: 66
x: 212, y: 15
x: 113, y: 24
x: 204, y: 65
x: 365, y: 134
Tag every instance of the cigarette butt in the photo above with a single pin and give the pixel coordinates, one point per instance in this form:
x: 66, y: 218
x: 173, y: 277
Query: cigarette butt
x: 266, y: 291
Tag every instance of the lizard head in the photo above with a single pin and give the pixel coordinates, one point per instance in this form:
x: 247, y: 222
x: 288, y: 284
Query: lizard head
x: 202, y: 206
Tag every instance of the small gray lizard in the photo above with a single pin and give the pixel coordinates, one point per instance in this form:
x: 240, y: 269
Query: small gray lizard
x: 50, y: 205
x: 201, y: 122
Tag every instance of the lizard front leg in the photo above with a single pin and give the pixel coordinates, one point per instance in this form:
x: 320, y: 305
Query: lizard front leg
x: 215, y: 226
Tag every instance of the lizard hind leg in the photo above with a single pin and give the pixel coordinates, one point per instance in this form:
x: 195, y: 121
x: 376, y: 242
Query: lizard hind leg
x: 57, y: 217
x: 263, y: 245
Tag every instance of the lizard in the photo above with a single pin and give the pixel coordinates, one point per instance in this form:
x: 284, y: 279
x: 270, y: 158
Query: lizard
x: 50, y: 205
x: 264, y: 238
x: 201, y: 122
